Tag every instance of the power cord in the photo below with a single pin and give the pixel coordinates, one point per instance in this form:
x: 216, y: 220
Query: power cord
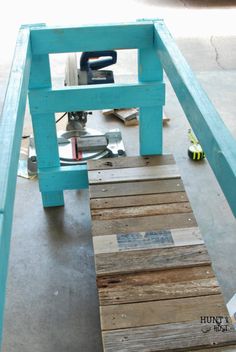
x: 61, y: 117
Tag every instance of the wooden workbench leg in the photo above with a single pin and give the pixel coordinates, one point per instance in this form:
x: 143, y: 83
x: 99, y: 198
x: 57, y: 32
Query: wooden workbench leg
x: 45, y: 130
x: 150, y: 118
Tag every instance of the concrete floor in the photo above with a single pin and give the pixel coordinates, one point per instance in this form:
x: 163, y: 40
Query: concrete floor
x: 52, y: 299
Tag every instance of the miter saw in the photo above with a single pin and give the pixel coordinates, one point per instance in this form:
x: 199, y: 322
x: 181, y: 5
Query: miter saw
x: 78, y: 143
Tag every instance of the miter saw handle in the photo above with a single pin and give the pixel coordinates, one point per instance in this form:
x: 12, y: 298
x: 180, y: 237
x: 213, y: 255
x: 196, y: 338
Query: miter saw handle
x: 86, y: 65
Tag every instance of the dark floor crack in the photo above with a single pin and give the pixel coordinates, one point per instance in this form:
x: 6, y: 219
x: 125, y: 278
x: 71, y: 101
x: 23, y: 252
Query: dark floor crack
x: 217, y: 56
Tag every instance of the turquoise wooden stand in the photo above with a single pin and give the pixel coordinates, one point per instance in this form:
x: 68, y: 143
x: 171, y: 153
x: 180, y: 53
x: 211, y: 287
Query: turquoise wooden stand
x: 31, y: 72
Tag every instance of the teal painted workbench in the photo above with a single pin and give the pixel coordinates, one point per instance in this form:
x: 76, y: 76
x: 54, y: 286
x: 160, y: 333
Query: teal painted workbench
x: 30, y: 74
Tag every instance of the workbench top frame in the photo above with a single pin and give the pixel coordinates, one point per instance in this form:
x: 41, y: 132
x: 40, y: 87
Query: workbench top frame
x: 31, y: 73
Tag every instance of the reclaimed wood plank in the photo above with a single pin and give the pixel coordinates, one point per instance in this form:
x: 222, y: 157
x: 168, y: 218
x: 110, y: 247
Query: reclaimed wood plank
x: 157, y: 285
x: 145, y: 210
x: 220, y: 349
x: 135, y: 188
x: 181, y: 336
x: 130, y: 162
x: 134, y: 174
x: 147, y: 223
x: 151, y: 259
x: 145, y: 240
x: 128, y: 201
x: 142, y: 314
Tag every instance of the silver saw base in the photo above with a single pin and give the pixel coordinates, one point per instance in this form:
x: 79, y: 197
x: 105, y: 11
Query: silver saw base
x: 76, y: 147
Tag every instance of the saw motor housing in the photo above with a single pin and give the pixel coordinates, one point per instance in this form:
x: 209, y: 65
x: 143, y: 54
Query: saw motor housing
x: 91, y: 63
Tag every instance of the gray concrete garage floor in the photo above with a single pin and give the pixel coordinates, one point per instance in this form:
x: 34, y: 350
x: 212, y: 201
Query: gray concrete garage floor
x: 52, y: 300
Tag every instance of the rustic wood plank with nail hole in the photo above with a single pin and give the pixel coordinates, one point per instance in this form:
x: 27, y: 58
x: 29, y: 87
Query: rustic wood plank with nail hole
x: 220, y: 349
x: 145, y: 210
x: 134, y: 174
x: 145, y: 223
x: 135, y: 188
x: 181, y: 336
x: 130, y: 162
x: 134, y: 315
x: 157, y: 285
x: 151, y: 260
x: 144, y: 240
x: 128, y: 201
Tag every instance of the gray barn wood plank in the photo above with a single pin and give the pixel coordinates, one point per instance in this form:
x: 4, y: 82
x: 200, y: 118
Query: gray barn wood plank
x: 133, y: 315
x: 157, y: 285
x: 128, y: 201
x: 188, y: 336
x: 220, y: 349
x: 135, y: 188
x: 144, y: 210
x: 147, y: 223
x: 151, y: 259
x: 134, y: 174
x: 145, y: 240
x: 130, y: 162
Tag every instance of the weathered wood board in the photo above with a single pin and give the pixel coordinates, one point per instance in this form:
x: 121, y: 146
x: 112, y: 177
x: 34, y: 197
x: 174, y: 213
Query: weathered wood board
x: 145, y: 199
x: 137, y: 188
x: 151, y: 259
x: 143, y: 223
x: 184, y: 336
x: 135, y: 161
x: 134, y: 174
x: 144, y: 240
x: 160, y: 312
x: 157, y: 285
x: 155, y: 282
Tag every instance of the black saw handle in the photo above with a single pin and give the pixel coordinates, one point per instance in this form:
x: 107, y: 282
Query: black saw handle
x: 86, y: 65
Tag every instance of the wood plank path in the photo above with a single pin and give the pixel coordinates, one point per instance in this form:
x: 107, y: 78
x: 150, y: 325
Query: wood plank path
x: 157, y: 290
